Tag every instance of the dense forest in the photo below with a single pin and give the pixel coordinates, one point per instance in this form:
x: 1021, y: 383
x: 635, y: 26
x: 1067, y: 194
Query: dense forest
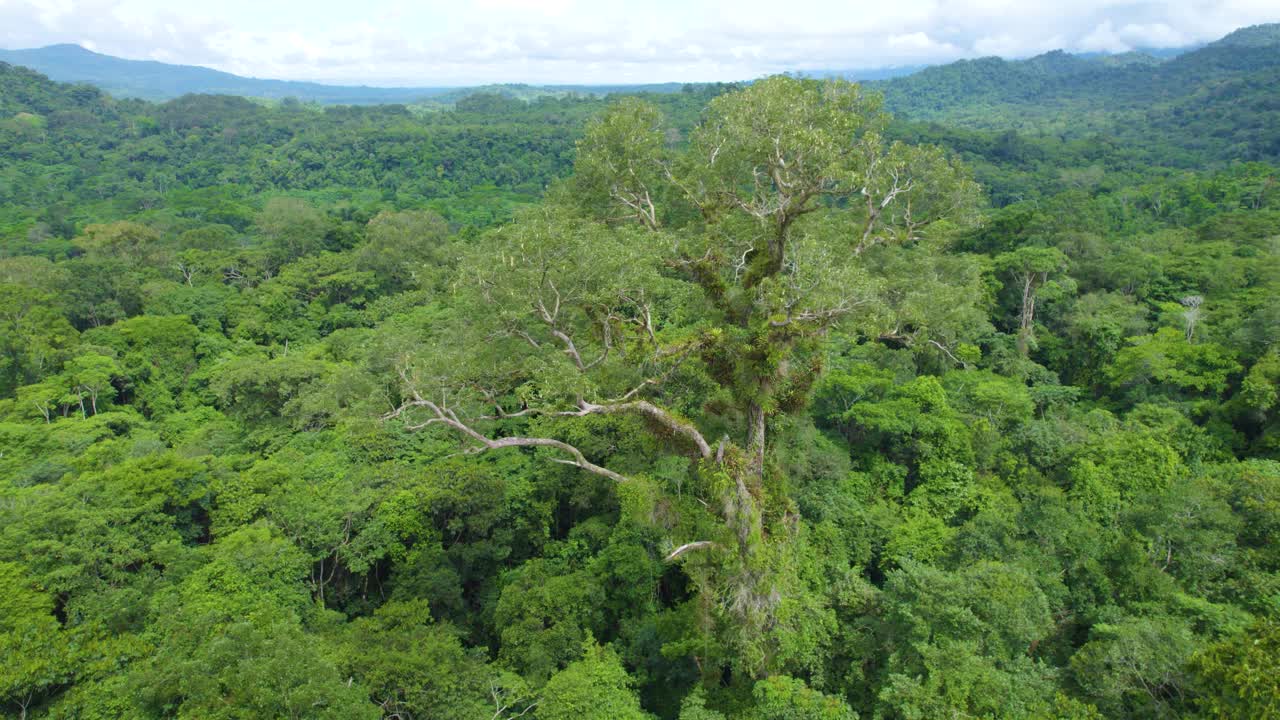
x: 746, y: 401
x: 1215, y: 102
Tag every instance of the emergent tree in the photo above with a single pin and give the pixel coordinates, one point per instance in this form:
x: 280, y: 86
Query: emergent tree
x: 690, y: 287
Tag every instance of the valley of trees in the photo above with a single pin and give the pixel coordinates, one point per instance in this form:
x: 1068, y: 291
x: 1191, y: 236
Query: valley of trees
x: 754, y: 402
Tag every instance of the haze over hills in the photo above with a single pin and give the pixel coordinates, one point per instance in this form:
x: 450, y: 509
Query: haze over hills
x: 151, y: 80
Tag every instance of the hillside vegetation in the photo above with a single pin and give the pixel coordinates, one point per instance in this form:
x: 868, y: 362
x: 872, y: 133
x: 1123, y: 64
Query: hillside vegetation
x: 1217, y: 101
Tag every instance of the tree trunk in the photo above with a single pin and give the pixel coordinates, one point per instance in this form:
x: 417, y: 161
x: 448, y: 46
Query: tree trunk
x: 1027, y: 316
x: 756, y: 437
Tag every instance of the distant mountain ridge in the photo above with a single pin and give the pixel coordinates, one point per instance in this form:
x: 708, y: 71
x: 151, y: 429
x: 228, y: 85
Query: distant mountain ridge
x: 988, y: 92
x: 1266, y: 35
x: 157, y: 81
x: 995, y: 93
x: 152, y: 80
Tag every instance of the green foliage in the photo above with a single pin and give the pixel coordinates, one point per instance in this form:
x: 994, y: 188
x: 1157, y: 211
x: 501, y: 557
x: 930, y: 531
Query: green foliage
x: 545, y: 618
x: 325, y: 413
x: 1167, y: 360
x: 37, y: 651
x: 1136, y: 666
x: 964, y: 641
x: 1239, y: 675
x: 239, y: 615
x: 785, y: 698
x: 594, y: 688
x: 413, y: 666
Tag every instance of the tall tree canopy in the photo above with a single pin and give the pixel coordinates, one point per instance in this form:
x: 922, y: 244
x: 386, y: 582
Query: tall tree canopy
x: 722, y: 265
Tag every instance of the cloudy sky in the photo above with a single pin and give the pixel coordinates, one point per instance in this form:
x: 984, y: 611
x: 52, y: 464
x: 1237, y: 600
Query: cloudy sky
x: 391, y: 42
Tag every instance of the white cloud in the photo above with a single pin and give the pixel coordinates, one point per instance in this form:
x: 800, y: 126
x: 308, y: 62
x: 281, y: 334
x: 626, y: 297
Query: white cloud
x: 1104, y: 38
x: 1154, y: 35
x: 439, y: 42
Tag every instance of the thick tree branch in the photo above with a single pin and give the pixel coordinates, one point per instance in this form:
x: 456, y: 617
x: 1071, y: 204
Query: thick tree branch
x: 688, y: 547
x: 569, y: 348
x: 944, y: 349
x: 442, y: 415
x: 664, y: 418
x: 822, y: 317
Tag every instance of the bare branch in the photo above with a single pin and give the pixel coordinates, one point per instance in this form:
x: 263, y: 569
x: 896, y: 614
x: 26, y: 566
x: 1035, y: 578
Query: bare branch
x: 569, y: 348
x: 444, y: 416
x: 688, y: 547
x: 821, y: 317
x: 944, y: 349
x: 502, y: 704
x: 606, y: 339
x: 640, y: 203
x: 527, y: 338
x: 664, y: 418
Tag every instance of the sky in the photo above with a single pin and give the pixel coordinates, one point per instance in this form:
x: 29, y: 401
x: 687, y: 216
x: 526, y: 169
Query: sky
x: 429, y: 43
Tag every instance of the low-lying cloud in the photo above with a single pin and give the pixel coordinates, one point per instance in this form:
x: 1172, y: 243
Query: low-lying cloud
x: 386, y: 42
